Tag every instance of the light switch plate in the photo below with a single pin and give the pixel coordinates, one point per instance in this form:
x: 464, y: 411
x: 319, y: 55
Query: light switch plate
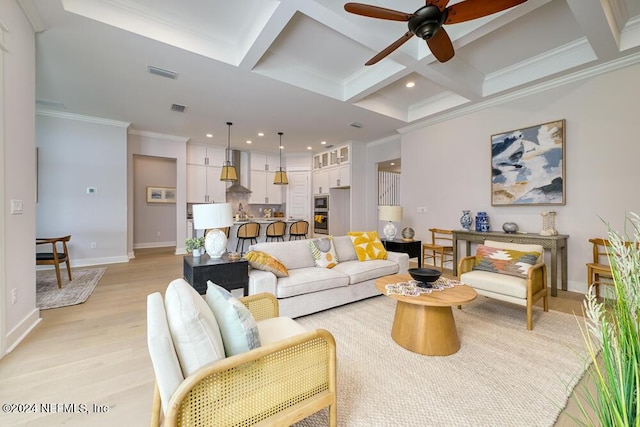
x: 16, y: 207
x: 421, y: 209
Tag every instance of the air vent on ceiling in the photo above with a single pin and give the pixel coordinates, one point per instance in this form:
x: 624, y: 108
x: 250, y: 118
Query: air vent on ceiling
x: 355, y: 125
x: 163, y: 73
x: 179, y: 108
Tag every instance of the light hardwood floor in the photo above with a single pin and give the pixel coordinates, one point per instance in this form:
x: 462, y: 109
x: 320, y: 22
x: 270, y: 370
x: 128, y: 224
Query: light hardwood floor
x: 96, y: 353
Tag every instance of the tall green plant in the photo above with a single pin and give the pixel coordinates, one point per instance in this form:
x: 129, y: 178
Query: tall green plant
x: 611, y: 335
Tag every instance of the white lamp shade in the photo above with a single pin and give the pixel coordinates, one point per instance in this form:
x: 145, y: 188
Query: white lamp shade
x: 212, y: 215
x: 390, y: 213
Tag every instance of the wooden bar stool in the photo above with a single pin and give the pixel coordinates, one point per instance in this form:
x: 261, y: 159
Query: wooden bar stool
x: 247, y: 231
x: 298, y: 230
x: 275, y: 231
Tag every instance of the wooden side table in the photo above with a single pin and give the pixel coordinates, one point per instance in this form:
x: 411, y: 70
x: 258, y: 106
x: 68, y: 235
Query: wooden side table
x: 222, y: 271
x: 413, y: 248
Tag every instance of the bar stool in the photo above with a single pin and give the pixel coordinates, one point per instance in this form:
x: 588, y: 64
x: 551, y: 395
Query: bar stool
x: 247, y: 231
x: 298, y: 230
x: 275, y: 231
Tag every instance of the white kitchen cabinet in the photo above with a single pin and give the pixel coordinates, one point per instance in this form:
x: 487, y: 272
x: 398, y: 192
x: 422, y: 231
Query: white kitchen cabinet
x: 263, y: 190
x: 264, y: 162
x: 321, y: 181
x: 204, y: 164
x: 339, y: 156
x: 339, y: 176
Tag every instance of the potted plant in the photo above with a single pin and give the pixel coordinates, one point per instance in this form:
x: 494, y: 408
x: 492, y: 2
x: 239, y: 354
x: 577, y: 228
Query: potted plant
x: 611, y: 335
x: 195, y: 245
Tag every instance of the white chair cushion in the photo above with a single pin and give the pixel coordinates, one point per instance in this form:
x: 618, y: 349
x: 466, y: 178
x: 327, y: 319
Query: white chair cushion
x: 293, y: 254
x: 278, y: 328
x: 161, y: 349
x: 495, y: 282
x: 193, y: 327
x: 237, y: 326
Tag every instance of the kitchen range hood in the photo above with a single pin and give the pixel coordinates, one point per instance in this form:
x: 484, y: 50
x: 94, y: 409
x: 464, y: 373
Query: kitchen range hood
x: 237, y: 187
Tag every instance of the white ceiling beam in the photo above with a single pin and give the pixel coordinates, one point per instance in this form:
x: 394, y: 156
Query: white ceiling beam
x: 599, y: 26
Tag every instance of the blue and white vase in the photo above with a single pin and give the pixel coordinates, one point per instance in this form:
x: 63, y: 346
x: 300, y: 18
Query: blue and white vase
x: 482, y: 222
x: 466, y: 220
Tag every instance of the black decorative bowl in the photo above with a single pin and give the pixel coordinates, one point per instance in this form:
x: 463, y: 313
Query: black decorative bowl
x: 425, y: 275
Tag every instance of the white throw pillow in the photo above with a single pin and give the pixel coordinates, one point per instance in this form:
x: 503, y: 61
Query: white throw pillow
x: 193, y: 327
x: 237, y: 325
x: 324, y: 252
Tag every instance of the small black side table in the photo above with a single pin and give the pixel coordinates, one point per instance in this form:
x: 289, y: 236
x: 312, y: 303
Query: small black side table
x: 413, y: 248
x: 222, y: 271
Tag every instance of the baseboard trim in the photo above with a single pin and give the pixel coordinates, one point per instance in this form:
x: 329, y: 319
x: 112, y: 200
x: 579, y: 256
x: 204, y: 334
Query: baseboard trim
x: 24, y: 328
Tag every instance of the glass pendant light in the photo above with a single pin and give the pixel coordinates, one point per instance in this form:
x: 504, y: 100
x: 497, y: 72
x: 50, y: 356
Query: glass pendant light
x: 228, y: 170
x: 281, y: 176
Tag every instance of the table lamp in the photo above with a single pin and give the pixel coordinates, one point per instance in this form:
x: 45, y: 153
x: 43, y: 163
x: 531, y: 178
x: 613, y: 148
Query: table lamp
x: 213, y: 217
x: 390, y: 213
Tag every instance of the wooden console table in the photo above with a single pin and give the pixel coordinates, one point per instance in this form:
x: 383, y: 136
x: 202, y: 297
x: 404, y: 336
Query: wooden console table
x: 548, y: 242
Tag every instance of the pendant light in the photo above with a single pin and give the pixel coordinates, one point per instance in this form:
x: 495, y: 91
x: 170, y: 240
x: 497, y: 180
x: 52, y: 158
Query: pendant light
x: 281, y: 176
x: 228, y: 170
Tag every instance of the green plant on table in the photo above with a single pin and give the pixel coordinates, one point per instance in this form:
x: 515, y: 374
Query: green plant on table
x: 611, y: 331
x: 194, y: 243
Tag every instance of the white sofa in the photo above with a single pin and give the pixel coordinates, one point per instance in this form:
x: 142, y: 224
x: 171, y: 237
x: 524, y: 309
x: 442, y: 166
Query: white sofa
x: 309, y: 289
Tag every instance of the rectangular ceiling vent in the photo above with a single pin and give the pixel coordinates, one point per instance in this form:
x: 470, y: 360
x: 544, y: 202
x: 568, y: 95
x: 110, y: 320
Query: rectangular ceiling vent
x: 179, y: 108
x: 355, y: 125
x: 163, y: 73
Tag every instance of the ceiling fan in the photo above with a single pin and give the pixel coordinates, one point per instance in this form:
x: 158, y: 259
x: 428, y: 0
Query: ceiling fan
x: 427, y: 22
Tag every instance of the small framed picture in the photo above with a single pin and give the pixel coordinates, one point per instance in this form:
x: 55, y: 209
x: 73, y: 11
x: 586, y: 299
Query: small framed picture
x: 161, y: 195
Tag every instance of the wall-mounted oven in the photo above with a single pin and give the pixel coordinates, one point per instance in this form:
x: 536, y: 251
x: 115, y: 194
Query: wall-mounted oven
x: 321, y: 222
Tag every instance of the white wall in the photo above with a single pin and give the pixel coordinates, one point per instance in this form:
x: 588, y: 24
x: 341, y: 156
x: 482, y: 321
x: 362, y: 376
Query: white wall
x: 154, y: 224
x: 446, y: 166
x: 76, y: 153
x: 17, y: 177
x: 168, y: 147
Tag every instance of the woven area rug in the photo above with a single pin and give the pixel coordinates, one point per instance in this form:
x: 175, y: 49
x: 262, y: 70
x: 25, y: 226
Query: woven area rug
x: 77, y: 291
x: 503, y: 375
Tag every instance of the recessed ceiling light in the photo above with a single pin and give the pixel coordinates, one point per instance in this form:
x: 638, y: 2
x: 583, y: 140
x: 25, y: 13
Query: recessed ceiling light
x: 209, y: 135
x: 260, y: 133
x: 323, y: 142
x: 249, y: 141
x: 309, y: 148
x: 282, y: 147
x: 410, y: 84
x: 392, y: 164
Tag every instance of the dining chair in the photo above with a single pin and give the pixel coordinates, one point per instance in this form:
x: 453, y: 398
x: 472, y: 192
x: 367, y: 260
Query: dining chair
x: 441, y: 247
x: 55, y: 257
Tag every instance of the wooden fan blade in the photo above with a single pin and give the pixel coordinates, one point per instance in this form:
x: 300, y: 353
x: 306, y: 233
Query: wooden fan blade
x: 393, y: 46
x: 472, y: 9
x: 441, y: 46
x: 441, y: 4
x: 377, y: 12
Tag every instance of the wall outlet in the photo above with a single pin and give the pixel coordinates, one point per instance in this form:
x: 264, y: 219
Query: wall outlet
x: 93, y: 245
x: 421, y: 209
x: 14, y: 295
x: 157, y: 234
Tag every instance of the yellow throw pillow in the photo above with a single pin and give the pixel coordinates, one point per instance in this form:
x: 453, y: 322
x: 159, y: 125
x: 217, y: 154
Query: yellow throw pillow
x: 367, y: 245
x: 324, y: 252
x: 264, y: 261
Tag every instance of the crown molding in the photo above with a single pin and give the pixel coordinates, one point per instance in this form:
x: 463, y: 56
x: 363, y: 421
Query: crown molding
x: 32, y: 14
x: 551, y: 84
x: 156, y: 135
x: 81, y: 118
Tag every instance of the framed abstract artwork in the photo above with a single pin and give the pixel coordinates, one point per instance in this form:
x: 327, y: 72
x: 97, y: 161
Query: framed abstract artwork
x: 528, y: 166
x: 161, y: 195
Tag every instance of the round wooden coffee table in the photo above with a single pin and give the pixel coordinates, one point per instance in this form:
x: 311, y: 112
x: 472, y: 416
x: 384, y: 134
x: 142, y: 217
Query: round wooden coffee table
x: 425, y: 324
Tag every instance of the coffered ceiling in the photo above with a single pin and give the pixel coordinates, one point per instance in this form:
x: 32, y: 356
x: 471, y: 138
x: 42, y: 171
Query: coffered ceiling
x: 297, y: 66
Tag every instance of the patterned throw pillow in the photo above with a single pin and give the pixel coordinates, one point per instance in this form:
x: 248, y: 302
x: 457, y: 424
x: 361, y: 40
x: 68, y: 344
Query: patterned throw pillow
x: 324, y: 252
x: 237, y: 326
x: 264, y: 261
x: 505, y: 261
x: 367, y: 245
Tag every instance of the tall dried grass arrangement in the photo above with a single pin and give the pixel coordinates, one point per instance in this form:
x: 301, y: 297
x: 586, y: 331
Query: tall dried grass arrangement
x: 611, y: 335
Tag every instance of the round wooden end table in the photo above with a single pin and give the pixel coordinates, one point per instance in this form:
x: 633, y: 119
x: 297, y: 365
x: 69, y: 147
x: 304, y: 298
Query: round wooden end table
x: 424, y: 324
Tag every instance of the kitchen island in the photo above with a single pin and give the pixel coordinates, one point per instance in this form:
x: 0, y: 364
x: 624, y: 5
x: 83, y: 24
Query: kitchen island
x: 264, y: 222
